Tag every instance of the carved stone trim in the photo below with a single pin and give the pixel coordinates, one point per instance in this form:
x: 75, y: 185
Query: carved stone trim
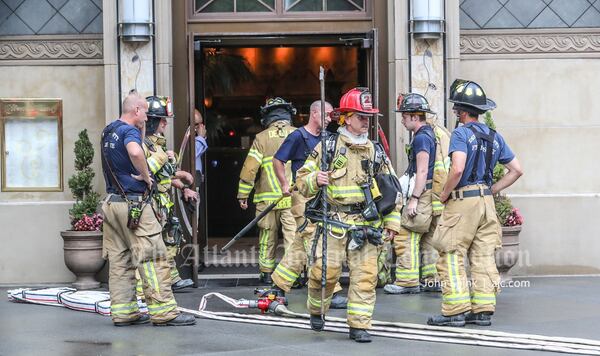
x: 31, y: 49
x: 530, y: 43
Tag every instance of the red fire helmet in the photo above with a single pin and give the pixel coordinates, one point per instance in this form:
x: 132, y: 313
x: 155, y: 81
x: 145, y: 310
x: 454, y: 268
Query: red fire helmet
x: 356, y: 100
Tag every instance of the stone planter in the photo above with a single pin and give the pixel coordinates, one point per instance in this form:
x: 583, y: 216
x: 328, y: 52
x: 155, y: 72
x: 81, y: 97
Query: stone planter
x: 83, y: 256
x: 508, y: 255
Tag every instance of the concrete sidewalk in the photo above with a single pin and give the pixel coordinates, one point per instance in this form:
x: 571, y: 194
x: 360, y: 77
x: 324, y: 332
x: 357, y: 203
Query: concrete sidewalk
x: 566, y: 306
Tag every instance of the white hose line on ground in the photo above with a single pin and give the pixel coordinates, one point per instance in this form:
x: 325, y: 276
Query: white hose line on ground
x: 342, y: 323
x: 343, y: 328
x: 88, y: 301
x: 454, y: 330
x: 410, y: 331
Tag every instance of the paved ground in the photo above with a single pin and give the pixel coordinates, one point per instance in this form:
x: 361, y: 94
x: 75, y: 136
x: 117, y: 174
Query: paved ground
x: 550, y: 306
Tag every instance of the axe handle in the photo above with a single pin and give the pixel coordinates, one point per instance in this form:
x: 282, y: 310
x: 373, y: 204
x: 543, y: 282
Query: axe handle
x: 250, y: 225
x: 253, y: 222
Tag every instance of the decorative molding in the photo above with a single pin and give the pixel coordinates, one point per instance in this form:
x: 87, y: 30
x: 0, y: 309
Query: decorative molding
x: 496, y: 44
x: 45, y: 50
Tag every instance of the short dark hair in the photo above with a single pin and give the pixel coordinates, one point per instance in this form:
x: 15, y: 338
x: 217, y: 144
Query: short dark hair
x: 419, y: 114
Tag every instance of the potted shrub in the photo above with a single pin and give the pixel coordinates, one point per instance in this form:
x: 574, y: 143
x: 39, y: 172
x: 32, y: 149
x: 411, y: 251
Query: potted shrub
x: 510, y: 218
x: 83, y: 242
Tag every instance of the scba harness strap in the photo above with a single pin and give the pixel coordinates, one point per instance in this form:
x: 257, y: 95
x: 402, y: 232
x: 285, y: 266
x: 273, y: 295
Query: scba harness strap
x: 412, y: 165
x: 387, y: 184
x: 487, y: 140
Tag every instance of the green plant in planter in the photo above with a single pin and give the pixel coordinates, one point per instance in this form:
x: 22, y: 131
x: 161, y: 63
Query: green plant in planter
x: 507, y: 213
x: 83, y: 214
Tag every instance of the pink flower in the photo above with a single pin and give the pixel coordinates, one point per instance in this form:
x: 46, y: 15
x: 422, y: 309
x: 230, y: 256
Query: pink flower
x: 89, y: 223
x: 514, y: 218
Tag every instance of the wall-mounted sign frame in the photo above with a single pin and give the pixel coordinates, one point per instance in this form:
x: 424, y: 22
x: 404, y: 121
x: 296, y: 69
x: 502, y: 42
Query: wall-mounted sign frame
x: 31, y: 134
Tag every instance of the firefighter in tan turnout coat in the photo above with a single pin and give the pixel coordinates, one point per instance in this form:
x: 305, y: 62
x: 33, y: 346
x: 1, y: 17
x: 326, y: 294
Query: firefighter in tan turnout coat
x: 469, y: 227
x: 358, y: 228
x: 277, y: 118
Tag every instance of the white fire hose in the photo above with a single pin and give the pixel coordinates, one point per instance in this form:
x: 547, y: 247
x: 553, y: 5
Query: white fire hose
x: 402, y: 330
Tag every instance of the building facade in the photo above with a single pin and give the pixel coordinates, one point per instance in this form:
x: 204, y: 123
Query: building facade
x: 537, y: 59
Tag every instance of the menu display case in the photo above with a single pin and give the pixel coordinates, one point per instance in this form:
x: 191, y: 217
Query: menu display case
x: 31, y: 133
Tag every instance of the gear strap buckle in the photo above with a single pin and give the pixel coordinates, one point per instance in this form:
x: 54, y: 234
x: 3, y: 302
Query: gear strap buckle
x: 457, y: 194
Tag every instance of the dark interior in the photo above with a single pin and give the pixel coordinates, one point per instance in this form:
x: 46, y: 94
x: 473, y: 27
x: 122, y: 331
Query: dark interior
x: 232, y: 82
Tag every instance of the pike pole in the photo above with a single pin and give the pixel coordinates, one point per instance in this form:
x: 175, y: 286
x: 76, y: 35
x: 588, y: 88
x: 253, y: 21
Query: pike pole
x: 324, y: 168
x: 254, y: 221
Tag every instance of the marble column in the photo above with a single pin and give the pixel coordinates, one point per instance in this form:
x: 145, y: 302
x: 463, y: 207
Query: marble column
x: 132, y: 64
x: 399, y: 68
x: 427, y: 67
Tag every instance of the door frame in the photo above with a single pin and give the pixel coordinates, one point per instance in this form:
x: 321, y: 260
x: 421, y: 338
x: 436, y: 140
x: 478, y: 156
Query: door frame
x: 365, y: 40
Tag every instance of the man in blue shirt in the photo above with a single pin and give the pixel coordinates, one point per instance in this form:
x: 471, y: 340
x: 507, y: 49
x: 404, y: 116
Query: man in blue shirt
x: 410, y: 242
x: 201, y: 147
x: 131, y: 231
x: 469, y: 225
x: 296, y: 148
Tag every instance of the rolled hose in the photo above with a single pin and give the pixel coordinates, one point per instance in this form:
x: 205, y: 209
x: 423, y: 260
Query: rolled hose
x: 406, y: 331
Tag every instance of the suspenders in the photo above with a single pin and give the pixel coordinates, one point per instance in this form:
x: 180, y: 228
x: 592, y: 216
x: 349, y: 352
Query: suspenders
x: 412, y: 159
x: 488, y: 140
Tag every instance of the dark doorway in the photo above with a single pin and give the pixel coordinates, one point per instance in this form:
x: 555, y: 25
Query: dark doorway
x: 229, y: 98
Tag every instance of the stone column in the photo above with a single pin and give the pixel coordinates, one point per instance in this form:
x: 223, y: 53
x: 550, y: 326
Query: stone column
x: 129, y: 63
x: 424, y: 67
x: 111, y: 70
x: 427, y: 72
x: 137, y: 68
x: 164, y: 59
x: 452, y: 52
x: 399, y: 64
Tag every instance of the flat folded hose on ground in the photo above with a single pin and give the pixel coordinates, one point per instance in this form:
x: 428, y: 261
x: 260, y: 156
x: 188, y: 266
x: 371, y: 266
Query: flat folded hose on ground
x: 405, y: 330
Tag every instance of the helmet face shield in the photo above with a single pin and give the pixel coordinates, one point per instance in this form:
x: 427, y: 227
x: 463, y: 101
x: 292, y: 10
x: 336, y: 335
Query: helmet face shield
x: 169, y: 106
x: 160, y: 107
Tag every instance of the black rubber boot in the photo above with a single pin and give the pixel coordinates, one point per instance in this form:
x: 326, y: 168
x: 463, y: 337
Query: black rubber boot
x: 360, y: 335
x: 181, y: 284
x: 481, y: 319
x: 316, y: 322
x: 338, y: 301
x: 265, y: 277
x: 441, y: 320
x: 299, y: 283
x: 143, y: 319
x: 180, y: 320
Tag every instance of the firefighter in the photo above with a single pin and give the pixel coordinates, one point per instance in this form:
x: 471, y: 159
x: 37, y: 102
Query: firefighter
x: 415, y: 265
x: 276, y: 117
x: 469, y: 226
x: 296, y: 148
x: 132, y: 238
x: 162, y: 164
x: 354, y: 223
